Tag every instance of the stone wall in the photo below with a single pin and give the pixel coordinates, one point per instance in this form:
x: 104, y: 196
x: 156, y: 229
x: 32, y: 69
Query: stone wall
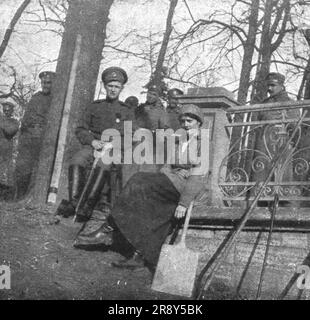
x: 238, y: 277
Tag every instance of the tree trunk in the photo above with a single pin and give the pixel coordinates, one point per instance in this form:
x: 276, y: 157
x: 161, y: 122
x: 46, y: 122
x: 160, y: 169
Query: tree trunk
x: 10, y: 29
x: 89, y: 19
x: 244, y: 82
x: 246, y: 68
x: 158, y: 77
x: 304, y: 89
x: 271, y: 38
x: 263, y: 64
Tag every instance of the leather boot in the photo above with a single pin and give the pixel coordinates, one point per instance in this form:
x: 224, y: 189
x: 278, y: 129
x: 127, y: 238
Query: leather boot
x: 76, y: 181
x: 96, y: 184
x: 133, y: 263
x: 102, y: 237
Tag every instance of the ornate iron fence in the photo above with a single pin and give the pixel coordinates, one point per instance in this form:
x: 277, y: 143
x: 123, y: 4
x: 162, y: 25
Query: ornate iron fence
x: 263, y: 130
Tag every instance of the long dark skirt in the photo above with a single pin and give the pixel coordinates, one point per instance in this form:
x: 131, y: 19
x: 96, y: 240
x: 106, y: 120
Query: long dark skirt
x: 144, y: 212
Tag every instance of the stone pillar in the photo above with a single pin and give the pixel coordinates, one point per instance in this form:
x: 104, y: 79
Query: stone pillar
x: 214, y: 102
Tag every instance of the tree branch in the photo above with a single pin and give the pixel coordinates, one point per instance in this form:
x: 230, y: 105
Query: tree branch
x: 276, y: 44
x: 10, y: 29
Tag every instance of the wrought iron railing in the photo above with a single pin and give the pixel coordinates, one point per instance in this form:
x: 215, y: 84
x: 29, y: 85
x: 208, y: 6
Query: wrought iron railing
x: 259, y: 132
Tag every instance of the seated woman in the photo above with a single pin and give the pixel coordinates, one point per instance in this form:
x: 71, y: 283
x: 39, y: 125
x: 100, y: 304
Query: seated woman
x: 144, y: 211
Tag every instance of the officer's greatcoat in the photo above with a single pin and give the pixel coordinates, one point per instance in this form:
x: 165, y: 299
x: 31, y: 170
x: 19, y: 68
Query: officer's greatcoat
x: 30, y: 141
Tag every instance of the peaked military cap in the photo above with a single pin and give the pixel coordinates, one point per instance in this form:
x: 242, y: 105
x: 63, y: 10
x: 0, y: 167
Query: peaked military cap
x: 114, y: 74
x: 275, y: 77
x: 175, y: 92
x: 47, y: 74
x: 191, y: 110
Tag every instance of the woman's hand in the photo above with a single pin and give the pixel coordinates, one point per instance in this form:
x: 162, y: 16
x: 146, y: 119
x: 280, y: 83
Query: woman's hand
x: 183, y: 173
x: 97, y: 144
x: 180, y: 212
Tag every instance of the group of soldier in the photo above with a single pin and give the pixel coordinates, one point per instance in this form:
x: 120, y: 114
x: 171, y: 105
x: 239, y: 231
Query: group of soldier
x: 84, y: 190
x: 109, y: 113
x: 106, y: 114
x: 30, y: 137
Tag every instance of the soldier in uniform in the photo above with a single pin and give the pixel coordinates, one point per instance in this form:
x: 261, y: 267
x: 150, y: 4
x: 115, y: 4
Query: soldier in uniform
x: 8, y: 129
x: 275, y: 88
x: 173, y: 109
x: 99, y: 116
x: 152, y: 115
x: 31, y: 135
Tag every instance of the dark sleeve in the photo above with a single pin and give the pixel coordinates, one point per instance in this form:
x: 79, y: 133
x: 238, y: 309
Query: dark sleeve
x: 163, y: 120
x: 29, y: 118
x: 82, y: 131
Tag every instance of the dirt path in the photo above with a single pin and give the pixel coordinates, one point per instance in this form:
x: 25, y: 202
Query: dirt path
x: 44, y: 265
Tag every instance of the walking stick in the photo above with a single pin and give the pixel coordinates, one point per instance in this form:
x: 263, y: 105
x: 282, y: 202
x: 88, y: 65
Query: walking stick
x: 53, y: 189
x: 273, y: 214
x: 97, y: 155
x: 224, y: 252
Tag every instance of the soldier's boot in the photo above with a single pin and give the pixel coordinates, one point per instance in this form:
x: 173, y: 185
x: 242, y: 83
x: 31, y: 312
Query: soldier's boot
x: 102, y: 237
x: 76, y: 181
x: 96, y: 185
x: 21, y: 186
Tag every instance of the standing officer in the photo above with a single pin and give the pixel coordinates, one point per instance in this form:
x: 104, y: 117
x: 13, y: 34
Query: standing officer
x: 31, y: 135
x: 99, y: 116
x: 8, y: 129
x: 173, y: 110
x: 152, y: 115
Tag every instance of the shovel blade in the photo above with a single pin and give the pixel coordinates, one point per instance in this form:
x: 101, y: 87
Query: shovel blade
x: 176, y: 270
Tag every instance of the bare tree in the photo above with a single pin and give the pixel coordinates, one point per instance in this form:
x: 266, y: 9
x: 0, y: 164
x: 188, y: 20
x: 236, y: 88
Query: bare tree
x: 273, y: 33
x: 249, y: 47
x: 87, y: 18
x: 10, y: 29
x: 159, y: 72
x: 260, y: 34
x: 304, y: 89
